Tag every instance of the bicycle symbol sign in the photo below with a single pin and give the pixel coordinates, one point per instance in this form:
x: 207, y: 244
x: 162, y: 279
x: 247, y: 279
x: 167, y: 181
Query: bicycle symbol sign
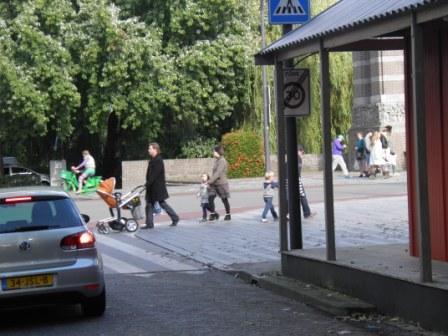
x: 296, y: 90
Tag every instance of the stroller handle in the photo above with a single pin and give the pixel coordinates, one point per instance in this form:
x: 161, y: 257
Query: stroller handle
x: 142, y: 187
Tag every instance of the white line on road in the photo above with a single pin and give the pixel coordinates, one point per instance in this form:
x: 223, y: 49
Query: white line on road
x: 152, y: 257
x: 119, y: 266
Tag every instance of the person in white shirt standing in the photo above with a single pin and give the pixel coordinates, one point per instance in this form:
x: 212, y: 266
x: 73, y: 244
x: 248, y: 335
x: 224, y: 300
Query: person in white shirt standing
x: 89, y: 166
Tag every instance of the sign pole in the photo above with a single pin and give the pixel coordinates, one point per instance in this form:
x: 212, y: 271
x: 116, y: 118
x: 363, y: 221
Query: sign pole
x: 290, y: 99
x: 266, y: 103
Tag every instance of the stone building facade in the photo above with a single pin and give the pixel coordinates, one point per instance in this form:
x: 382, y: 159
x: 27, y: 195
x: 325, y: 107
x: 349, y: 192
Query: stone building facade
x: 378, y: 98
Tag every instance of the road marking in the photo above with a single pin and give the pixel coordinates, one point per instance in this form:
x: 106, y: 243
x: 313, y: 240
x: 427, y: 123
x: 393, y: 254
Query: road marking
x: 152, y: 257
x: 119, y: 266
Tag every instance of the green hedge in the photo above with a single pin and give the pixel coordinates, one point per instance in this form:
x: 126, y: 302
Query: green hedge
x: 198, y: 148
x: 244, y: 153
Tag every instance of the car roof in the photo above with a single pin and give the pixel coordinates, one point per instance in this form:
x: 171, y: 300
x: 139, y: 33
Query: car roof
x: 32, y: 191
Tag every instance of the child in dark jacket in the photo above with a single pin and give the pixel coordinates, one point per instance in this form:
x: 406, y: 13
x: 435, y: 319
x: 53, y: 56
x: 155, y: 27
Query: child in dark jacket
x: 268, y: 196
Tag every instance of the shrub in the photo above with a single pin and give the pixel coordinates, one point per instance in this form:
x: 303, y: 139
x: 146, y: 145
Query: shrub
x: 197, y: 148
x: 244, y: 153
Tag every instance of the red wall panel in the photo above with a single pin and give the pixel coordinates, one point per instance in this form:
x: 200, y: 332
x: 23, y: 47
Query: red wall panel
x: 444, y: 102
x: 436, y: 100
x: 434, y: 141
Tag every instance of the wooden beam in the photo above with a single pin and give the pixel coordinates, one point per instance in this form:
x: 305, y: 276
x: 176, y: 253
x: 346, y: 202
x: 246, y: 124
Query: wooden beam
x: 419, y: 145
x: 373, y: 44
x: 281, y: 153
x: 328, y: 158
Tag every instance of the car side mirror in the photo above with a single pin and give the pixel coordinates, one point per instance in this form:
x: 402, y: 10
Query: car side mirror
x: 86, y: 218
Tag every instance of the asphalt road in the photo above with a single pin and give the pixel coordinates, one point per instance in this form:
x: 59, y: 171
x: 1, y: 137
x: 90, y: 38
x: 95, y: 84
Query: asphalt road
x: 186, y: 303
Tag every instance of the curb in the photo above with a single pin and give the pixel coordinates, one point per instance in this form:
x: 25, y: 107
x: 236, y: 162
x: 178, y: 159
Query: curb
x: 322, y: 299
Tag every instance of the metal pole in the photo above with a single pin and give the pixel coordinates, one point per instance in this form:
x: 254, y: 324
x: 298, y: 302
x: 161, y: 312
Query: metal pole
x: 328, y: 171
x: 419, y: 145
x: 266, y: 103
x: 295, y: 220
x: 283, y: 204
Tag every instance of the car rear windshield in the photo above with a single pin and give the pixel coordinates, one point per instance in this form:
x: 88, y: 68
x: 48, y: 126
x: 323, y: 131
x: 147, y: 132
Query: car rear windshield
x: 38, y: 214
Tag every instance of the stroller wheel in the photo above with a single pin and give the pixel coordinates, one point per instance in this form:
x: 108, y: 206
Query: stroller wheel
x: 131, y: 225
x: 102, y: 228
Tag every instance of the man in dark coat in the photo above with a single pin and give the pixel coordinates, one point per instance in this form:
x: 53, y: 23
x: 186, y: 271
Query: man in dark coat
x: 156, y: 187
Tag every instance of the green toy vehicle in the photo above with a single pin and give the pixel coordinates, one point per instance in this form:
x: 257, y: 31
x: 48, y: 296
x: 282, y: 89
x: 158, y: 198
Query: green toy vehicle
x: 70, y: 182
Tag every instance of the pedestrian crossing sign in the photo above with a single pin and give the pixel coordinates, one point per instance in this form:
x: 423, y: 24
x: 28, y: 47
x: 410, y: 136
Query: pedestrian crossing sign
x: 289, y: 11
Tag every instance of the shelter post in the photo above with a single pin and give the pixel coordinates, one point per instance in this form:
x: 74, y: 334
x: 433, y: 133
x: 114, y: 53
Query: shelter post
x: 283, y: 204
x: 327, y: 154
x: 419, y: 145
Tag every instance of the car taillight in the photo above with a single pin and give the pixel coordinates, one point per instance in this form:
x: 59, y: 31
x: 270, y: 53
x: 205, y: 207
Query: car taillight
x: 18, y: 199
x: 81, y: 240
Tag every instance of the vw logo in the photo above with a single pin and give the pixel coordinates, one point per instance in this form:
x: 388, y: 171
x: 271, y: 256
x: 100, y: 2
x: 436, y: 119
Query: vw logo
x: 25, y: 246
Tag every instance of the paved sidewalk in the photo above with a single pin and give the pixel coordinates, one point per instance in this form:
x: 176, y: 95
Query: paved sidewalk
x: 246, y: 239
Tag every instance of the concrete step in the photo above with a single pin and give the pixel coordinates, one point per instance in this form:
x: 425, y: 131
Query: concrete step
x: 320, y: 298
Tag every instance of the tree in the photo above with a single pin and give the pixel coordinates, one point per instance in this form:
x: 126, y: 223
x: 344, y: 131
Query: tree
x: 38, y: 95
x: 74, y: 67
x: 309, y: 128
x: 122, y: 78
x: 341, y: 86
x: 211, y: 44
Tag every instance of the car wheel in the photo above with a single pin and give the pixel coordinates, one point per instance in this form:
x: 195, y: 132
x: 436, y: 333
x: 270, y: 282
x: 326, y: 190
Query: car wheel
x: 131, y: 225
x: 95, y: 306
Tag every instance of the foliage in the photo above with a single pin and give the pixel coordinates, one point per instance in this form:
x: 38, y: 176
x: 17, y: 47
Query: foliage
x: 341, y: 74
x: 198, y: 148
x: 119, y: 67
x: 36, y: 74
x: 244, y: 153
x: 210, y: 44
x: 67, y: 66
x: 309, y: 128
x: 110, y: 75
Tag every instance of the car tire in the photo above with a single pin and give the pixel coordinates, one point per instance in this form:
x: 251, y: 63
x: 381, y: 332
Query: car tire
x: 94, y: 306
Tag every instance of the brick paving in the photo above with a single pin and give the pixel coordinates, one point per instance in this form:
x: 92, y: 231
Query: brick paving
x: 246, y: 239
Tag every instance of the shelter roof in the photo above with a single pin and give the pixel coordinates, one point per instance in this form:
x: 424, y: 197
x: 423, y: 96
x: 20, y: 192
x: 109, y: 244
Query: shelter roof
x: 348, y: 15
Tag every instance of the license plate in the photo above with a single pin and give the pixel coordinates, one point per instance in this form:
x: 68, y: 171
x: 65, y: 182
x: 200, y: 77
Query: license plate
x: 34, y: 281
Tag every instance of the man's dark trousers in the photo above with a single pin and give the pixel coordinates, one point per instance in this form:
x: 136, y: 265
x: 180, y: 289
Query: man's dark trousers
x: 165, y: 206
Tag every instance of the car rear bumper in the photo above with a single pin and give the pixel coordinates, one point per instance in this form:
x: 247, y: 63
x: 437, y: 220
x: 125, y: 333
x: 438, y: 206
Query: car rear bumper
x: 71, y: 284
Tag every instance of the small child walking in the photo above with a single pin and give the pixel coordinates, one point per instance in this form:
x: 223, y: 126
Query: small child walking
x: 268, y: 196
x: 203, y: 194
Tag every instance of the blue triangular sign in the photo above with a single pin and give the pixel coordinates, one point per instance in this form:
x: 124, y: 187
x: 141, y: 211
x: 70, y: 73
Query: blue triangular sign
x: 289, y: 7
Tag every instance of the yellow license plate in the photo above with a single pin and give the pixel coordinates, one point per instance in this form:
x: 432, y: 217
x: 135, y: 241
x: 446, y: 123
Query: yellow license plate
x: 35, y: 281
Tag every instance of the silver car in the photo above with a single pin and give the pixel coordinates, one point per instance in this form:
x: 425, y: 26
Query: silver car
x: 47, y: 254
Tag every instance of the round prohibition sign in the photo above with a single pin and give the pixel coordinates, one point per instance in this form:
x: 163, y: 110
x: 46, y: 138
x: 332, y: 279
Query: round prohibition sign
x: 294, y: 95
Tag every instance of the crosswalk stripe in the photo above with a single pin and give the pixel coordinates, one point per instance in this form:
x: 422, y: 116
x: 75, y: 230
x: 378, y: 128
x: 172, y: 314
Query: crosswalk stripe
x: 152, y: 257
x: 119, y: 266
